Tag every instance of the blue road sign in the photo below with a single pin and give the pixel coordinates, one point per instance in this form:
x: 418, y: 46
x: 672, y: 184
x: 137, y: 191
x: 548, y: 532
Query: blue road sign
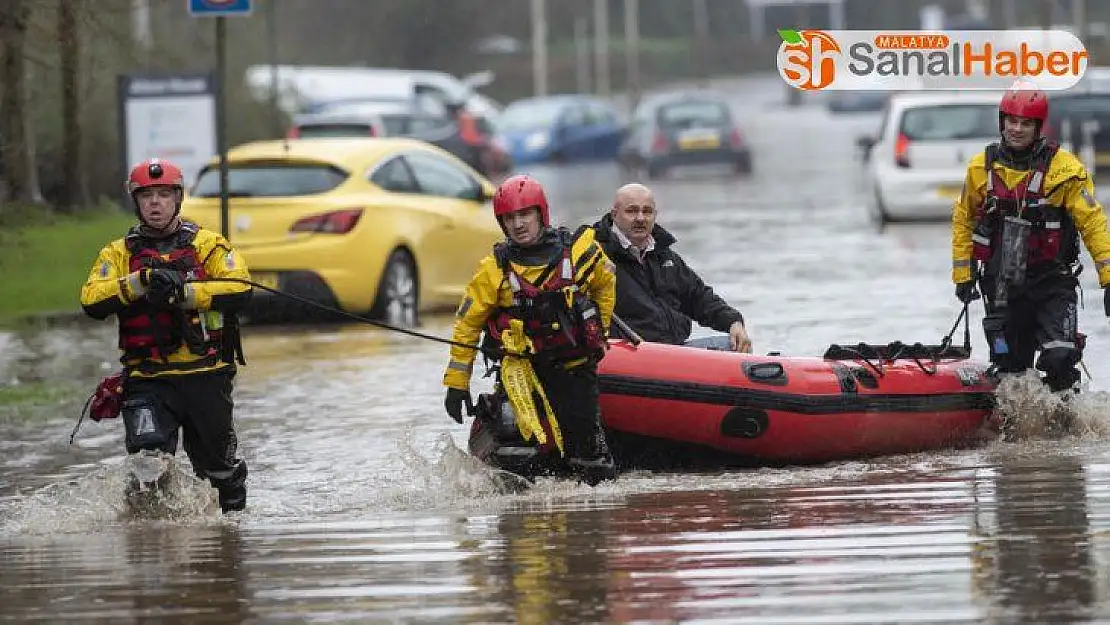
x: 217, y: 8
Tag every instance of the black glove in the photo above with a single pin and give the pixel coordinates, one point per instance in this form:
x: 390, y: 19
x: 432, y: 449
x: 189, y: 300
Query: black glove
x: 454, y: 403
x: 966, y: 292
x: 165, y: 287
x: 1106, y: 301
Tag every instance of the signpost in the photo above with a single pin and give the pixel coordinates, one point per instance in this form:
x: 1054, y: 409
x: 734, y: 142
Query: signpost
x: 172, y: 116
x: 220, y: 9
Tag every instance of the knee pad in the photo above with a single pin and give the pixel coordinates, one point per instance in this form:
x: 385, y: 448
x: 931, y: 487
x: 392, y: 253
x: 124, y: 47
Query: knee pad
x: 147, y: 425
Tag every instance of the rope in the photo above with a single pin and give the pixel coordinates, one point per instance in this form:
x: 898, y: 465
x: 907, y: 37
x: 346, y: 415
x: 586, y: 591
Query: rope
x: 343, y: 313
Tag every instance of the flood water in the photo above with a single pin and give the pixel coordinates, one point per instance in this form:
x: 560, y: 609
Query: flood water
x: 364, y: 506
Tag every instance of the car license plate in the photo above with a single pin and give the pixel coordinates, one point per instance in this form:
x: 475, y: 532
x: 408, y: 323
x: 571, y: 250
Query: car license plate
x: 948, y: 191
x: 699, y: 141
x: 267, y: 279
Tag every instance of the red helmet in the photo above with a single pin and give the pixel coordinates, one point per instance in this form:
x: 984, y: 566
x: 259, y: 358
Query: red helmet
x: 155, y: 172
x: 1024, y: 101
x: 519, y: 192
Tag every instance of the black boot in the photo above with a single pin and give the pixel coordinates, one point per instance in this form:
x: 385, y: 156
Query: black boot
x: 233, y: 490
x: 593, y: 471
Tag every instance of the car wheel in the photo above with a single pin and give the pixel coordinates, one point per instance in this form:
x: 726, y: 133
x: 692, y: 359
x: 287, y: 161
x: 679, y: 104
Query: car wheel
x: 743, y: 164
x: 655, y: 171
x: 398, y: 298
x: 878, y: 213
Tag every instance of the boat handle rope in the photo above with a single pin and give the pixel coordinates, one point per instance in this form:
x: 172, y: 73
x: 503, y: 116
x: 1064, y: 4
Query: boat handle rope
x: 876, y: 367
x: 946, y: 342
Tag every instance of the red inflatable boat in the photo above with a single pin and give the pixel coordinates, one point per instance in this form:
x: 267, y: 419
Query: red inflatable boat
x: 854, y: 402
x: 668, y: 406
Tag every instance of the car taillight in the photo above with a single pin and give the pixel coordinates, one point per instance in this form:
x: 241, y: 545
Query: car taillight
x: 293, y: 133
x: 735, y: 139
x: 659, y: 143
x: 370, y: 130
x: 902, y: 151
x: 335, y: 222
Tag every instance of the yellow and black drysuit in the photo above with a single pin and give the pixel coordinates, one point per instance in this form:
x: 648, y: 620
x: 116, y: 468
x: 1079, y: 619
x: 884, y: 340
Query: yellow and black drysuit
x: 179, y: 359
x: 1016, y: 229
x: 561, y: 292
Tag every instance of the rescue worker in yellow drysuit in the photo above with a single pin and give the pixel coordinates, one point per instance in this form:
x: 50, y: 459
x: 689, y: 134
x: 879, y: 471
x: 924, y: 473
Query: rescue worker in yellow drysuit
x: 178, y: 335
x: 552, y: 291
x: 1016, y: 231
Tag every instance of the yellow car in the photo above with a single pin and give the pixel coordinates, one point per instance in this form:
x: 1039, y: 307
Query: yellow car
x: 389, y: 227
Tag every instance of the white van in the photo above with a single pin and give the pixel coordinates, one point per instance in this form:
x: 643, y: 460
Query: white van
x: 306, y: 88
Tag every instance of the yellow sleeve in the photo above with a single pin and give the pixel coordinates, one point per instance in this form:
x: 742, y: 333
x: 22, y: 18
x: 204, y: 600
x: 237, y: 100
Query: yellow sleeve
x: 601, y: 283
x: 1090, y: 219
x: 603, y: 288
x: 474, y: 310
x: 106, y: 291
x: 220, y: 261
x: 963, y: 217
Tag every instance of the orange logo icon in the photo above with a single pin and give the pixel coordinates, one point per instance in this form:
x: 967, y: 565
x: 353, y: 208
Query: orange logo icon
x: 807, y: 58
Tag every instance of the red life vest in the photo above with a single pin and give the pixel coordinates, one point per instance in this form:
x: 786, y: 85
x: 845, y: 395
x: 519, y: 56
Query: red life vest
x: 1052, y: 234
x: 152, y: 332
x: 562, y: 327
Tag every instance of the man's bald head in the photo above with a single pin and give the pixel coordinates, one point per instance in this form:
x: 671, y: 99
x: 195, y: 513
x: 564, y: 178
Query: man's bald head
x: 633, y: 193
x: 634, y: 213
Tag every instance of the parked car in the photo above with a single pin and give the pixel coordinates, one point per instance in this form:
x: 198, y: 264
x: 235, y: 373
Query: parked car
x: 561, y: 128
x: 915, y: 167
x: 681, y: 129
x: 1080, y: 121
x: 391, y: 227
x: 419, y: 118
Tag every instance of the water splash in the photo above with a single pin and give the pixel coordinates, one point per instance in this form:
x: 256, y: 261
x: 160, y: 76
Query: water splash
x: 443, y: 473
x: 1031, y: 411
x: 97, y: 499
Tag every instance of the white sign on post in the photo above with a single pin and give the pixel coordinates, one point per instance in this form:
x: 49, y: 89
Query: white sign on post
x: 171, y: 117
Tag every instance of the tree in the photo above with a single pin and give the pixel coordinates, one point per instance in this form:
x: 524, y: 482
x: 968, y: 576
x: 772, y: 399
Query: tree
x: 73, y: 189
x: 15, y: 159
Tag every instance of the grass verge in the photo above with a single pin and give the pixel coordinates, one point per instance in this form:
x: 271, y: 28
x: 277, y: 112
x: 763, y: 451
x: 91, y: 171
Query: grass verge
x: 26, y: 402
x: 46, y: 257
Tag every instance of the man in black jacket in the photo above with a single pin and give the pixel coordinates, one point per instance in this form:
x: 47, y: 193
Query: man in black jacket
x: 658, y: 295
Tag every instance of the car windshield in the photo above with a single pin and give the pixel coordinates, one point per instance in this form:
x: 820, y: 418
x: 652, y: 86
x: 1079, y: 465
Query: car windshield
x: 270, y: 180
x: 690, y: 114
x: 532, y: 115
x: 950, y: 122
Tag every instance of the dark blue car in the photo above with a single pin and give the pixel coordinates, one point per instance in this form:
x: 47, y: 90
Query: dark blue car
x: 561, y: 128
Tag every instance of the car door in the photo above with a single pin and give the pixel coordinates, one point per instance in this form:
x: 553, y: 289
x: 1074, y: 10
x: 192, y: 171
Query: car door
x: 468, y: 229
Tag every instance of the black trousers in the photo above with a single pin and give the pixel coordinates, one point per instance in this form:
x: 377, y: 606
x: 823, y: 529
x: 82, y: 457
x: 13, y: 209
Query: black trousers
x: 1041, y: 317
x: 199, y: 405
x: 573, y: 394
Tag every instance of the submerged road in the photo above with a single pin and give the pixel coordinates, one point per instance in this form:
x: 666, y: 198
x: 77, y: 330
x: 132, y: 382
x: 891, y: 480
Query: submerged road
x: 365, y: 508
